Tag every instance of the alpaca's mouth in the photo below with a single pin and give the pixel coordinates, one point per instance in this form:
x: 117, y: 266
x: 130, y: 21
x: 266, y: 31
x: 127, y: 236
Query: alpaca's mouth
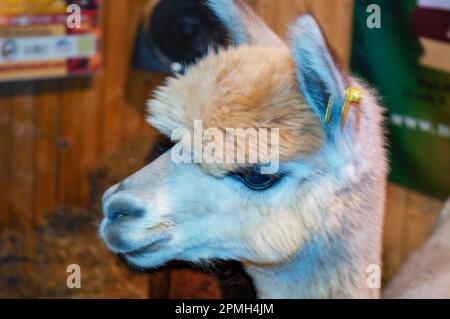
x: 156, y: 245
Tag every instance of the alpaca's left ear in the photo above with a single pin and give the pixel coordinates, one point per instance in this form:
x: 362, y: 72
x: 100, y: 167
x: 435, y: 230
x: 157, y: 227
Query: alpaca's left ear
x: 317, y: 74
x: 243, y: 24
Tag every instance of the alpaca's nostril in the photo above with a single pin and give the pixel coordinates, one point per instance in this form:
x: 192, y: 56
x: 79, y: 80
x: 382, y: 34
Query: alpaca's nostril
x: 117, y: 216
x: 118, y: 208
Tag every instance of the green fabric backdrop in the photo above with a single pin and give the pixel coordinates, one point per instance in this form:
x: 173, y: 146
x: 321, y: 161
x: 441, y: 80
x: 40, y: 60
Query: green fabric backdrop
x: 417, y: 98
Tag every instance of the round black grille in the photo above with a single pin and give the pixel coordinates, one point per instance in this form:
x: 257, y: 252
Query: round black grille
x: 183, y: 30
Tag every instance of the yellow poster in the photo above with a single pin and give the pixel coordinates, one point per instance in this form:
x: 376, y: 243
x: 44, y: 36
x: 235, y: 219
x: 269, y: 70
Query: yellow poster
x: 48, y: 38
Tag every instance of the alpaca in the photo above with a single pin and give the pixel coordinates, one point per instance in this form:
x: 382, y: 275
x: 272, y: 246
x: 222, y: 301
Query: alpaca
x: 426, y: 273
x: 311, y: 230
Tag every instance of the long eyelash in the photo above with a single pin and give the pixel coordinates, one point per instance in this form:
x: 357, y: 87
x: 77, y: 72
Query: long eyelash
x: 249, y: 170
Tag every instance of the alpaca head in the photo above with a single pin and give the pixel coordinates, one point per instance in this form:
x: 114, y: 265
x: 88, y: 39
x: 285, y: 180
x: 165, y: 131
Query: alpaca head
x: 200, y: 211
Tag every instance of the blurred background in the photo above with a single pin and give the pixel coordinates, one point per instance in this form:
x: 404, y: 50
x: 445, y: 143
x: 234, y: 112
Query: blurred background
x: 74, y: 78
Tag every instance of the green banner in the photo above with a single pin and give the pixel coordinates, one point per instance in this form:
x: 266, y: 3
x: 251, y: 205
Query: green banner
x: 406, y: 57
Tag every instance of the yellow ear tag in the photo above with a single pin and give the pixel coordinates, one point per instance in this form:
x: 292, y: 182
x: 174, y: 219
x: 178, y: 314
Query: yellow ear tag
x: 329, y: 107
x: 352, y: 96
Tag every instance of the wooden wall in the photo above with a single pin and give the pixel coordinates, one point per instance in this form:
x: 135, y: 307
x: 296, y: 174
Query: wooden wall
x: 53, y: 132
x: 408, y: 221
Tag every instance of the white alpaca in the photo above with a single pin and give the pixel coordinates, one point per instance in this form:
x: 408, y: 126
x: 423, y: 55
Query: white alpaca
x: 310, y: 231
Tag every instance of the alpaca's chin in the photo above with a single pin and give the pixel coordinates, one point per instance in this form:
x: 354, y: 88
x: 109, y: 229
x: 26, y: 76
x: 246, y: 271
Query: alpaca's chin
x: 148, y: 260
x: 149, y: 248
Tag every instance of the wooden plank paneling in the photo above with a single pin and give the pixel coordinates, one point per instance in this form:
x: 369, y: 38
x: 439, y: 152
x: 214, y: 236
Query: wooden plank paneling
x: 22, y: 174
x: 136, y: 83
x: 46, y: 147
x: 115, y: 69
x: 394, y: 226
x: 70, y: 138
x: 5, y: 149
x: 409, y: 218
x: 335, y: 17
x: 420, y: 218
x: 90, y: 133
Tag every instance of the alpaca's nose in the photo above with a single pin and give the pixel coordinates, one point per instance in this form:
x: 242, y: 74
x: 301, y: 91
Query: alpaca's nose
x: 120, y: 206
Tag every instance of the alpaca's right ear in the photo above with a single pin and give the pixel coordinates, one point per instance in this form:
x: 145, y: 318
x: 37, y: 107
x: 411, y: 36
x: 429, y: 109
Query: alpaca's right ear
x: 319, y: 78
x: 242, y: 23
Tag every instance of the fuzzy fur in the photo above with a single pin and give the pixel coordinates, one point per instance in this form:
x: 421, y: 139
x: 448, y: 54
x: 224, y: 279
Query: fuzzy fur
x: 311, y: 235
x: 267, y: 97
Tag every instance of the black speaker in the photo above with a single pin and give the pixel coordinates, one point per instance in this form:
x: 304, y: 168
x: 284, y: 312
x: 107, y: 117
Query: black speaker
x: 174, y: 34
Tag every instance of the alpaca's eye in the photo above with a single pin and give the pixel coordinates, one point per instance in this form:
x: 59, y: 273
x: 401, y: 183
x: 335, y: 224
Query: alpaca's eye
x: 255, y: 180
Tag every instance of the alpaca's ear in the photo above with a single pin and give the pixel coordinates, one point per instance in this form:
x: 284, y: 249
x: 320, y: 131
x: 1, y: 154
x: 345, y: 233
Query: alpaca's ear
x: 317, y: 74
x: 242, y: 23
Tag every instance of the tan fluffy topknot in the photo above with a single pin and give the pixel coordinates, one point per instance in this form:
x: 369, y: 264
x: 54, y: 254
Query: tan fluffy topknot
x: 240, y: 87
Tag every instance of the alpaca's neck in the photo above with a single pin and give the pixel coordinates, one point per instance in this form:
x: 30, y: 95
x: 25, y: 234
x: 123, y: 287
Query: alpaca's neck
x: 334, y: 262
x: 322, y: 269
